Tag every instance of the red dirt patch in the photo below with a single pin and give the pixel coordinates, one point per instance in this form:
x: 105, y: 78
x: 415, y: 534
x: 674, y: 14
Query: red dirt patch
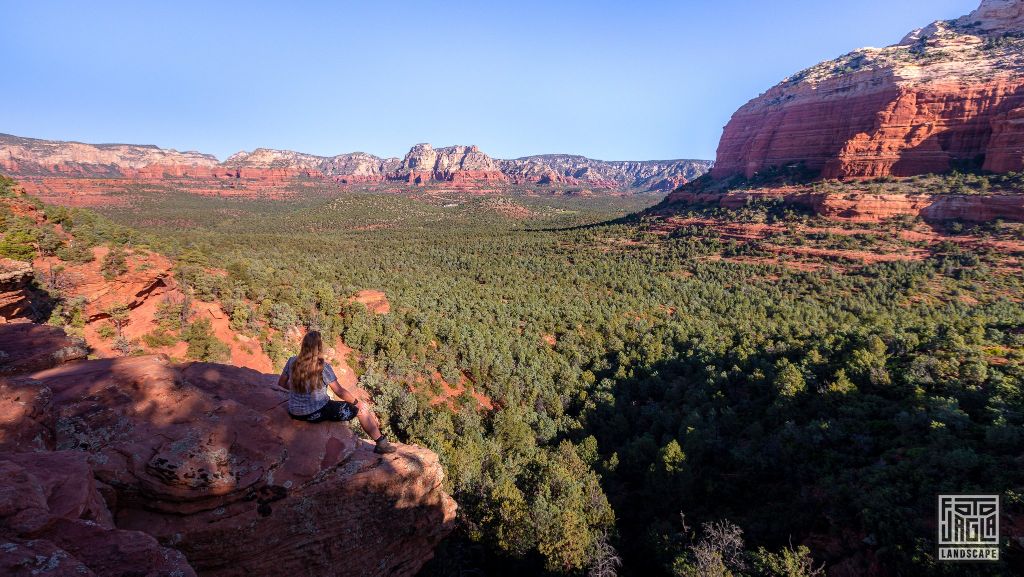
x: 448, y: 392
x: 374, y: 300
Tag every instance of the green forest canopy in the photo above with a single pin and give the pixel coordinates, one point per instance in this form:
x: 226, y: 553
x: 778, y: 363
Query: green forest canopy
x: 688, y: 404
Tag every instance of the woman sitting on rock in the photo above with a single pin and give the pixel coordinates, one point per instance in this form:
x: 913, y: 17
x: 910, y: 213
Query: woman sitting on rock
x: 307, y: 377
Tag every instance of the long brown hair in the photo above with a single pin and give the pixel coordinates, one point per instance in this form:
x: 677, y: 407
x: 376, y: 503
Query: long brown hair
x: 307, y: 370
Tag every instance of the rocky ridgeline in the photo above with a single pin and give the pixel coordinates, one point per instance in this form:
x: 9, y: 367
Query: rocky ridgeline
x: 581, y: 171
x: 30, y: 156
x: 459, y: 166
x: 949, y: 95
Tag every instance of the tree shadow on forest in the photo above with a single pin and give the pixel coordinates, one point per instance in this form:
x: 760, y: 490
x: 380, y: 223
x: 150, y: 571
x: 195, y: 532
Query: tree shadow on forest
x: 747, y: 454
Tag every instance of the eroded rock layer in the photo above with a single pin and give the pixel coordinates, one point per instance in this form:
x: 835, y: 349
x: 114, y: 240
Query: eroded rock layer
x: 52, y: 164
x: 950, y: 95
x: 16, y: 291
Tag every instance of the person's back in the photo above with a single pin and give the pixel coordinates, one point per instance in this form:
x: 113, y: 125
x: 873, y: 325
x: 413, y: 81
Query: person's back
x: 307, y: 377
x: 303, y: 402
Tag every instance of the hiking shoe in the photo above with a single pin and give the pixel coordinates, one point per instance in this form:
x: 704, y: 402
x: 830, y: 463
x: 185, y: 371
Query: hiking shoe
x: 384, y: 446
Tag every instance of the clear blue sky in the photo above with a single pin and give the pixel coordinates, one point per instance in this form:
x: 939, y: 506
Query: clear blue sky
x: 612, y: 80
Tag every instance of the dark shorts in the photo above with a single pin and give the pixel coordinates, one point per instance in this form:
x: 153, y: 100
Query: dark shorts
x: 332, y: 411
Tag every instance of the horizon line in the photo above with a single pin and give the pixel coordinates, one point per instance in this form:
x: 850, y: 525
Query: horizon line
x: 225, y: 159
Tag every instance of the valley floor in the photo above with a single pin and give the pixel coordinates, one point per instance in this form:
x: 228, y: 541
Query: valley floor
x: 633, y: 387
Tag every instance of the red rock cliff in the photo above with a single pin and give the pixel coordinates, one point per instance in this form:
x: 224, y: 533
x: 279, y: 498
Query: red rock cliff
x: 948, y: 94
x: 136, y: 466
x: 62, y: 171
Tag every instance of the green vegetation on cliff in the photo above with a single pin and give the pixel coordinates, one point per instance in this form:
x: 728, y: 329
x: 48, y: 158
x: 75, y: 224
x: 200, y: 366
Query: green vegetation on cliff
x: 676, y: 401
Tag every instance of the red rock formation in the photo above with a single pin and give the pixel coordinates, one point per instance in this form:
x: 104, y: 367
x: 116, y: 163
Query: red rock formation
x: 460, y: 165
x: 54, y: 521
x: 204, y: 459
x: 148, y: 277
x: 26, y: 347
x: 474, y: 177
x: 83, y: 174
x: 925, y: 130
x: 950, y: 93
x: 1004, y: 152
x: 16, y: 293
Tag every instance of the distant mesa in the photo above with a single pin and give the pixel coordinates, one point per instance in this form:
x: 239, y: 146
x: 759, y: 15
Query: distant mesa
x: 950, y: 95
x: 463, y: 167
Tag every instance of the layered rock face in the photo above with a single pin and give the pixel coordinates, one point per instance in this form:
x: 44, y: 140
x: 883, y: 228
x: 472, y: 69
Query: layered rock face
x: 458, y: 164
x: 27, y: 347
x: 269, y: 158
x: 54, y: 521
x: 359, y: 167
x: 29, y: 156
x: 465, y: 167
x: 997, y: 16
x: 136, y: 466
x: 582, y: 171
x: 950, y: 94
x: 16, y: 294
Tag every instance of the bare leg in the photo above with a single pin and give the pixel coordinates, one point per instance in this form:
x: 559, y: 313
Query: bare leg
x: 369, y: 421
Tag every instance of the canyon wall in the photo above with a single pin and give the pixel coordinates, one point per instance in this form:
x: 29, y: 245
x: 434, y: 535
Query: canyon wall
x: 581, y: 171
x: 465, y: 167
x: 950, y: 95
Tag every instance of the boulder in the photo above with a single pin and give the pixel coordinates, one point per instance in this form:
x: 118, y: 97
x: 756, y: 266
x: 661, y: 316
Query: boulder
x: 16, y: 294
x: 27, y: 347
x: 204, y: 458
x: 54, y: 520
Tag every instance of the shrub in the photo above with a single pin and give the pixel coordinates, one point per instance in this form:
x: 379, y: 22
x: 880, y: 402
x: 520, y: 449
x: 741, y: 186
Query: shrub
x: 159, y: 338
x: 169, y: 314
x: 106, y: 332
x: 202, y: 344
x: 114, y: 263
x: 49, y: 242
x: 18, y: 245
x: 282, y: 317
x: 125, y: 347
x: 76, y: 252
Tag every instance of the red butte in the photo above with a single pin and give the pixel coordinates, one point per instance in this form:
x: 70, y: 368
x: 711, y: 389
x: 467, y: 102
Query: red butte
x: 949, y: 95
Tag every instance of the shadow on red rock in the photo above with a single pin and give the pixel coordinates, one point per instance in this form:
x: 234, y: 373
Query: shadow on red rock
x: 27, y: 347
x: 204, y: 459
